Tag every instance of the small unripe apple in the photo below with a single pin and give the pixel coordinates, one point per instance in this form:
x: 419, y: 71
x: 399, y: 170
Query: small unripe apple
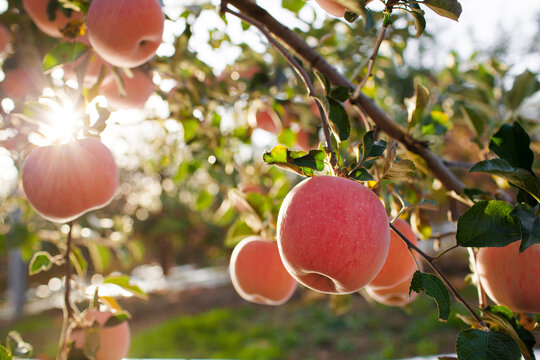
x: 37, y: 10
x: 62, y: 182
x: 257, y: 273
x: 5, y: 38
x: 396, y: 295
x: 400, y: 263
x: 138, y: 89
x: 113, y: 341
x: 333, y: 234
x: 126, y: 33
x: 19, y: 82
x: 511, y: 278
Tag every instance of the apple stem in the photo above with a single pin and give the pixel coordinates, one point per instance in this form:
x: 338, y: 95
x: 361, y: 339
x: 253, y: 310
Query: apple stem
x: 431, y: 262
x: 299, y: 70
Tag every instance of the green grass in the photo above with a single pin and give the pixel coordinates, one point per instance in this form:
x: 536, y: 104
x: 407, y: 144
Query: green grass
x: 296, y: 330
x: 300, y: 331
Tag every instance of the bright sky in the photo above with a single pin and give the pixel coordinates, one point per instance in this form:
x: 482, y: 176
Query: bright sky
x: 481, y: 26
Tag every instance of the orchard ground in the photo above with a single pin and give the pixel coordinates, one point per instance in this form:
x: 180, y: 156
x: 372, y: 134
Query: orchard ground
x: 217, y: 323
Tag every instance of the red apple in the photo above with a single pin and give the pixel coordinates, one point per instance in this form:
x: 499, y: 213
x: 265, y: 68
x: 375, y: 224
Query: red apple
x: 126, y: 33
x: 257, y: 273
x: 138, y: 89
x: 113, y: 341
x: 37, y: 10
x: 266, y: 119
x: 332, y: 7
x: 333, y: 234
x: 5, y: 38
x: 19, y: 82
x: 400, y: 264
x: 510, y: 278
x: 62, y: 182
x: 396, y: 295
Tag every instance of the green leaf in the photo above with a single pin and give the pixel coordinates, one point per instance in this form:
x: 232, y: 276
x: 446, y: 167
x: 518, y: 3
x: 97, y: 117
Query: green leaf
x: 62, y: 53
x: 436, y: 123
x: 117, y: 319
x: 477, y: 119
x: 447, y: 8
x: 520, y: 178
x: 299, y: 162
x: 236, y: 232
x: 340, y: 93
x: 419, y: 103
x: 313, y: 160
x: 100, y: 255
x: 79, y: 261
x: 4, y: 353
x: 474, y: 344
x: 204, y: 200
x: 530, y: 225
x: 433, y: 287
x: 339, y: 119
x: 41, y: 261
x: 476, y: 194
x: 258, y: 203
x: 524, y: 86
x: 372, y: 148
x: 293, y: 5
x: 401, y: 170
x: 487, y: 223
x: 501, y: 318
x: 123, y: 282
x: 190, y: 128
x: 361, y: 174
x: 418, y: 17
x: 512, y: 144
x: 327, y: 86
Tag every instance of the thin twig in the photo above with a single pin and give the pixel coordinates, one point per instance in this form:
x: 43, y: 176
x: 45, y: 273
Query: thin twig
x: 67, y: 290
x: 299, y: 70
x: 372, y: 59
x: 431, y: 263
x: 444, y: 252
x: 67, y: 308
x: 410, y: 244
x: 458, y: 165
